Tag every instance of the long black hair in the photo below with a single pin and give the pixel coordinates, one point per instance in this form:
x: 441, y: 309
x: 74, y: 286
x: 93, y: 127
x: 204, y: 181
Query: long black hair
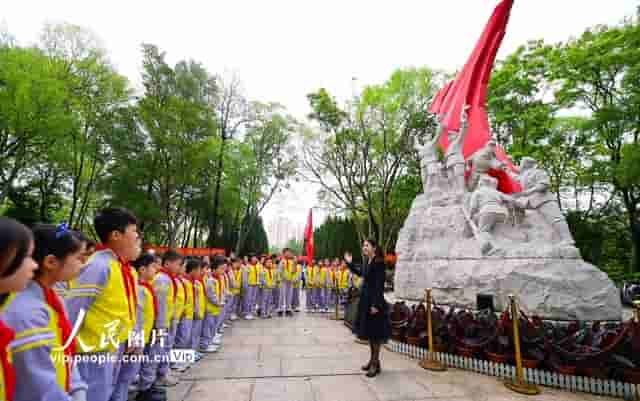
x: 378, y: 255
x: 58, y: 241
x: 15, y: 240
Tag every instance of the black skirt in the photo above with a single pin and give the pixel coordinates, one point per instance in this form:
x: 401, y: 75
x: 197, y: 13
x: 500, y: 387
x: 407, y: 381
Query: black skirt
x: 376, y: 328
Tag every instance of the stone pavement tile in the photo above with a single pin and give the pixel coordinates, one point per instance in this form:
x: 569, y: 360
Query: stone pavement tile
x: 220, y: 390
x: 298, y: 340
x: 397, y: 386
x: 237, y: 351
x: 180, y: 391
x: 341, y: 388
x: 245, y: 368
x: 282, y: 389
x: 246, y: 339
x: 209, y: 368
x: 301, y: 351
x: 319, y: 366
x: 440, y: 385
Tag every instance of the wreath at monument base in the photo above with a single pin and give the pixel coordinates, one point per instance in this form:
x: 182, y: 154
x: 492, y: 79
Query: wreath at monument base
x: 592, y: 349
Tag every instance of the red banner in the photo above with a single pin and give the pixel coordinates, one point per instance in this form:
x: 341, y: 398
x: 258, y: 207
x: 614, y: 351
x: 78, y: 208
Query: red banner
x: 308, y: 237
x: 186, y: 251
x: 470, y: 88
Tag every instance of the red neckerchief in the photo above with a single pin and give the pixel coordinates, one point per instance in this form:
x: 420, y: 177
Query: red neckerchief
x: 6, y: 336
x: 173, y: 282
x: 153, y: 296
x: 184, y: 287
x: 129, y: 281
x: 193, y: 288
x: 65, y: 328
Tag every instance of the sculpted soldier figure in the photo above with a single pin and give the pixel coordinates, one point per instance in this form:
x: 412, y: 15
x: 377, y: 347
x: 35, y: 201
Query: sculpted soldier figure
x: 483, y: 161
x: 536, y: 196
x: 430, y: 166
x: 454, y: 157
x: 487, y: 208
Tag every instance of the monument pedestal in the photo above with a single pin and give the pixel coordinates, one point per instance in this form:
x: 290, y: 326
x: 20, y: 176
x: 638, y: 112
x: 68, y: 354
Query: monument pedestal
x: 436, y: 250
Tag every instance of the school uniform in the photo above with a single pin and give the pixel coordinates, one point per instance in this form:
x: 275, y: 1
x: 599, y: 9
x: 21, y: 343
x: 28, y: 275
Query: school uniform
x: 198, y: 313
x: 324, y: 281
x: 179, y: 309
x: 250, y: 282
x: 289, y: 272
x: 38, y: 317
x: 236, y: 290
x: 213, y: 307
x: 343, y: 279
x: 7, y: 372
x: 106, y: 292
x: 310, y: 288
x: 147, y: 370
x: 277, y: 290
x: 297, y: 285
x: 183, y: 333
x: 268, y: 283
x: 226, y: 296
x: 165, y: 289
x: 129, y: 368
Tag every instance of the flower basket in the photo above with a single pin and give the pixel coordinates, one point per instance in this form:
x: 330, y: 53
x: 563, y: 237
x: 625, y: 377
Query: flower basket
x: 530, y: 363
x: 464, y: 352
x: 413, y: 340
x: 497, y: 358
x: 566, y: 370
x: 632, y: 375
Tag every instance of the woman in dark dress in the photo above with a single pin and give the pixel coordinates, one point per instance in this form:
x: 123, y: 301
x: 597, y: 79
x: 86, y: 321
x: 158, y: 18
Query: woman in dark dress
x: 372, y: 322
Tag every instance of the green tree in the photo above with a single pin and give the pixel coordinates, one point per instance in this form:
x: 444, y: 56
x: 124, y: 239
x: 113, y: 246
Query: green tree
x: 361, y: 153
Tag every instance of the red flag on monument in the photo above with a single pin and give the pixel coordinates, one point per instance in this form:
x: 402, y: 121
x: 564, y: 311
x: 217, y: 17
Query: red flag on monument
x: 308, y: 237
x: 470, y: 88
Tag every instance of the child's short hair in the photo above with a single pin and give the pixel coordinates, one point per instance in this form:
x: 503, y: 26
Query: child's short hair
x: 144, y: 260
x: 217, y: 262
x: 113, y: 219
x: 193, y: 264
x: 170, y: 256
x: 58, y: 241
x: 15, y: 239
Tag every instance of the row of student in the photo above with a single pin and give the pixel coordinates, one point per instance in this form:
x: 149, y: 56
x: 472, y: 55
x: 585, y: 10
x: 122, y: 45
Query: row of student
x: 117, y: 303
x: 273, y: 285
x: 122, y: 303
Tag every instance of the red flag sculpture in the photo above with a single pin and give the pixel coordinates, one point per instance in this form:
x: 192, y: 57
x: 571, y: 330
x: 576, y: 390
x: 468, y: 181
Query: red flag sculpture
x: 308, y: 237
x: 470, y: 88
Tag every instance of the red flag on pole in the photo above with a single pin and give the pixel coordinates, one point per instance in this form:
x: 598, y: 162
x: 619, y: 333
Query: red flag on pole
x: 470, y: 88
x: 308, y: 237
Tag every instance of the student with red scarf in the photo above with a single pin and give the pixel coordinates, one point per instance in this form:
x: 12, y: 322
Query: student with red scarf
x: 147, y: 266
x: 43, y: 347
x: 103, y: 299
x: 16, y: 270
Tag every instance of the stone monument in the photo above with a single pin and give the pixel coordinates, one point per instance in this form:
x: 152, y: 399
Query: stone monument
x: 482, y: 241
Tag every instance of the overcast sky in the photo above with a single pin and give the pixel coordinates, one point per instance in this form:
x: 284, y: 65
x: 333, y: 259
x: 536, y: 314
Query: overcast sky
x: 284, y: 49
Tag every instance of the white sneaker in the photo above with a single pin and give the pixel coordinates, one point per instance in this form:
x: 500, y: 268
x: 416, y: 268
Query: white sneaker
x: 181, y: 367
x: 233, y: 317
x: 211, y: 349
x: 216, y: 341
x: 249, y: 317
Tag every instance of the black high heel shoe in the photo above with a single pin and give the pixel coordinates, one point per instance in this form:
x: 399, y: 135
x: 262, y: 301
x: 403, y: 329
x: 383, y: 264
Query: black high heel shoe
x: 374, y: 370
x: 366, y: 367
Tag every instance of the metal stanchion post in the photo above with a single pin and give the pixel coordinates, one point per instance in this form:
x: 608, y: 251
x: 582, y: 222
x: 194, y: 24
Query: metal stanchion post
x: 430, y: 363
x: 519, y: 384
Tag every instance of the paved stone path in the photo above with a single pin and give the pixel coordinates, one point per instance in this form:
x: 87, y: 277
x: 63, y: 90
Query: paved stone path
x: 312, y: 358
